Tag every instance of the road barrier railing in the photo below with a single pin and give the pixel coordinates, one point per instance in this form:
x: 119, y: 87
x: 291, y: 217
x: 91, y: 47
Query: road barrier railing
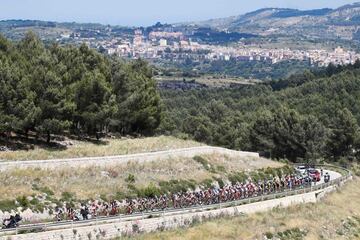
x: 40, y: 227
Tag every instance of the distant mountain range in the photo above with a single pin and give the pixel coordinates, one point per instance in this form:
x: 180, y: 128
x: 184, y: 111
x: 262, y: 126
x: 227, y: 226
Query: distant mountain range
x: 343, y: 22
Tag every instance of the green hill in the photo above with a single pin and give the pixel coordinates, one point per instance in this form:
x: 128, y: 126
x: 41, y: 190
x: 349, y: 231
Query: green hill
x: 308, y: 116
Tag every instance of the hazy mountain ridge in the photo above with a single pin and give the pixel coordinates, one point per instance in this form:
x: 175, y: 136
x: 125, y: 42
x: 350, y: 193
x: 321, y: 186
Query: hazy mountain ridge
x: 342, y: 22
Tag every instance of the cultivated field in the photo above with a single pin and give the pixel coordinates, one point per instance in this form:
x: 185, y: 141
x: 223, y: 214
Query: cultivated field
x: 106, y: 147
x: 336, y: 217
x: 212, y: 80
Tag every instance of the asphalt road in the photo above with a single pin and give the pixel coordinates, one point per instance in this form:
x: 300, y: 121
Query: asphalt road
x: 333, y: 175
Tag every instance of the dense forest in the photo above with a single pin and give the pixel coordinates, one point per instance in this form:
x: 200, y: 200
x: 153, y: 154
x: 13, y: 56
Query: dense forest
x: 304, y: 117
x: 52, y: 89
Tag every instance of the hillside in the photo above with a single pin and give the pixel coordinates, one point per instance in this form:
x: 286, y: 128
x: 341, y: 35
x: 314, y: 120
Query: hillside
x: 342, y: 22
x: 302, y: 117
x: 35, y: 191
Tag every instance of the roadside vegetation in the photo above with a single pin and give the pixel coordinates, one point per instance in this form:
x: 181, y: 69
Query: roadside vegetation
x: 39, y: 189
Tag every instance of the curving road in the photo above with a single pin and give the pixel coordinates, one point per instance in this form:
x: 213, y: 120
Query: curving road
x: 333, y: 175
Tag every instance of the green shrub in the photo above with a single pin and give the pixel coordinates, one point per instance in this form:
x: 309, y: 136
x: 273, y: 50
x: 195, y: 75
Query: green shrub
x: 39, y: 207
x: 237, y: 177
x: 47, y: 190
x: 205, y: 163
x: 7, y: 205
x: 67, y: 196
x: 119, y: 195
x: 174, y: 186
x: 149, y: 191
x: 104, y: 197
x: 23, y: 201
x: 269, y: 235
x: 220, y: 168
x: 292, y: 234
x: 34, y: 201
x: 220, y: 182
x: 269, y: 172
x: 207, y: 183
x: 130, y: 179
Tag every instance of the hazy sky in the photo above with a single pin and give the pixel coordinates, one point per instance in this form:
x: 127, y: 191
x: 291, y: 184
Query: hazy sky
x: 145, y: 12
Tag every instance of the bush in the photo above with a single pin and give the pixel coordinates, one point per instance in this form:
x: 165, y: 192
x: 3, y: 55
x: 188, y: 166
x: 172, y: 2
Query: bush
x: 150, y: 191
x: 221, y: 169
x: 208, y: 166
x: 7, y: 205
x: 67, y: 196
x: 130, y: 179
x: 23, y: 201
x: 47, y: 190
x: 174, y: 186
x: 207, y: 183
x: 294, y: 233
x: 203, y: 162
x: 237, y: 177
x: 34, y: 201
x: 269, y: 235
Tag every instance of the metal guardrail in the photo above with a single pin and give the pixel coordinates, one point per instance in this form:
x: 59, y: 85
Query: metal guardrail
x: 41, y: 227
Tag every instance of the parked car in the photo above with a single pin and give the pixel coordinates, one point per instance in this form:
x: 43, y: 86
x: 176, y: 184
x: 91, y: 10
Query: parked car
x: 301, y: 169
x: 314, y: 174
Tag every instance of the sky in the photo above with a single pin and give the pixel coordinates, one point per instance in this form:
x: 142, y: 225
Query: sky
x: 145, y: 12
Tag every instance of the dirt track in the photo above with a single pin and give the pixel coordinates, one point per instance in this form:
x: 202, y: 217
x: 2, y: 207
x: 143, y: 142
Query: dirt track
x: 140, y: 157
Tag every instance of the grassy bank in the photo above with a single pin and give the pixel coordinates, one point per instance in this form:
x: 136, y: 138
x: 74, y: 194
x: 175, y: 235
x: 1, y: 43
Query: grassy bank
x: 106, y: 147
x: 124, y: 180
x: 336, y: 217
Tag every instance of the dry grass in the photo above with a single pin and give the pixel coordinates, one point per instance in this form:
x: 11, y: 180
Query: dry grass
x: 324, y: 220
x: 107, y: 148
x: 91, y: 182
x: 234, y: 163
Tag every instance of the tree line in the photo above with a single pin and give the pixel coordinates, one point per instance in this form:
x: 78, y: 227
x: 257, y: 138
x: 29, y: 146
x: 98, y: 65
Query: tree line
x: 49, y: 89
x: 307, y: 116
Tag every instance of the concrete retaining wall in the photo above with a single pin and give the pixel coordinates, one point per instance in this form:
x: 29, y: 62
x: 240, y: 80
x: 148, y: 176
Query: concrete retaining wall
x: 118, y: 228
x: 109, y: 160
